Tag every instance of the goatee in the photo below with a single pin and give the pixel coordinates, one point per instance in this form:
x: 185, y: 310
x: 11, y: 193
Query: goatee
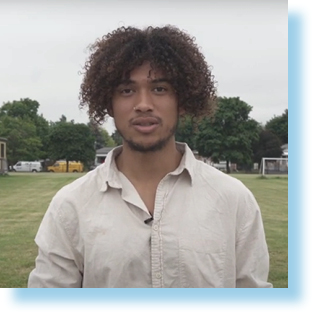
x: 157, y: 146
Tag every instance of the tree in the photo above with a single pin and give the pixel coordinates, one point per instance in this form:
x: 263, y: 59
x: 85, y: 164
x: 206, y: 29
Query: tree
x: 42, y: 131
x: 107, y: 139
x: 24, y: 108
x: 72, y: 142
x: 229, y: 134
x: 23, y: 143
x: 268, y: 145
x: 27, y: 110
x: 186, y: 131
x: 101, y: 137
x: 117, y: 137
x: 62, y: 119
x: 279, y: 126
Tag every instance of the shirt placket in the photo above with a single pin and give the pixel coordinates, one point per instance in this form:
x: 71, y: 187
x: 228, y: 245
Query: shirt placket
x: 156, y: 238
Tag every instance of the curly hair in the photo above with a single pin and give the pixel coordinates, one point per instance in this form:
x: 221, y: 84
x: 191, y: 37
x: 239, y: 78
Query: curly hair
x: 168, y: 49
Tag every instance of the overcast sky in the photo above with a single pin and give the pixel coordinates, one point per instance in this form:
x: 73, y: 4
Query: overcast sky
x: 44, y: 46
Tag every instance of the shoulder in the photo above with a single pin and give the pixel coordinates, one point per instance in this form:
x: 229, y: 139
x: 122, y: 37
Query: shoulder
x: 80, y: 191
x: 216, y: 180
x: 84, y: 193
x: 227, y: 194
x: 223, y: 189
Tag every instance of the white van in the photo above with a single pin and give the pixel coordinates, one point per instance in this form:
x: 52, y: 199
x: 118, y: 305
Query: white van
x: 221, y: 165
x: 24, y: 166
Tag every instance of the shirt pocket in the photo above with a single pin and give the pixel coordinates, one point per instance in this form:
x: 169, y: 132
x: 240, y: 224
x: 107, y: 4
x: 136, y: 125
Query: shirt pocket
x: 201, y: 262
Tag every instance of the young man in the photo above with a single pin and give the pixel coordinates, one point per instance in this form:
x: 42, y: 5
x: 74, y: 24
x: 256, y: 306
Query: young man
x: 151, y: 215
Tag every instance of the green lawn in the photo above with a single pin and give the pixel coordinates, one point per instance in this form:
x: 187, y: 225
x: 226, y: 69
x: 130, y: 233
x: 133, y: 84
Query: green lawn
x: 271, y: 194
x: 24, y: 199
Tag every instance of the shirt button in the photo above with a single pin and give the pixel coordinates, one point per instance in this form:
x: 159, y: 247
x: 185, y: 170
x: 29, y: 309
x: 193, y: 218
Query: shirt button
x: 155, y: 227
x: 158, y: 275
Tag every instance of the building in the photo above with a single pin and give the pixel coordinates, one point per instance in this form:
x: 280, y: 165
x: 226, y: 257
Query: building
x: 101, y: 154
x: 285, y: 151
x: 3, y: 156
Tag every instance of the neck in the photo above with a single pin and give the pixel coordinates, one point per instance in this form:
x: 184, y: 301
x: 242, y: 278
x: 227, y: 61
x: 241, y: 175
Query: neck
x: 149, y: 166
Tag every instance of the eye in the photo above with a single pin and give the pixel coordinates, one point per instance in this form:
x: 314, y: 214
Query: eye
x: 126, y: 91
x: 159, y: 89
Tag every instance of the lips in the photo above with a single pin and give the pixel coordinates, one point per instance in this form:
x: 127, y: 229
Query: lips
x: 145, y: 124
x: 145, y: 121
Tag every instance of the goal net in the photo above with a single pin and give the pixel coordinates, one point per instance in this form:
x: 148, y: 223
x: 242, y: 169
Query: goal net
x: 274, y: 166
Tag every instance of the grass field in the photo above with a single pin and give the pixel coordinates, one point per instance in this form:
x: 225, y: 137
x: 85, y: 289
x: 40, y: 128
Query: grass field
x: 24, y: 199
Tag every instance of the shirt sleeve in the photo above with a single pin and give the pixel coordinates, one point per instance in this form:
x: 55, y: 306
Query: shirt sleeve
x: 57, y: 263
x: 252, y: 257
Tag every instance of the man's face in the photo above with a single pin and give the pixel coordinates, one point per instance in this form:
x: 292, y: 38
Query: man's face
x: 145, y: 110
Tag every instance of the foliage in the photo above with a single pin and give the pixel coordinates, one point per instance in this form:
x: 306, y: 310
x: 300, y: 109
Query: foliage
x: 24, y: 108
x: 71, y: 142
x: 229, y: 134
x: 23, y: 142
x: 42, y: 130
x: 107, y: 139
x: 63, y: 118
x: 268, y: 145
x: 186, y: 131
x: 101, y: 137
x: 279, y: 126
x: 117, y: 137
x: 25, y: 115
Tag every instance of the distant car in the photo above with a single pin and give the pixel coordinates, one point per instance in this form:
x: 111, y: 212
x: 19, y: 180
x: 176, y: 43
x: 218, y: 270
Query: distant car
x: 27, y: 166
x: 220, y: 166
x: 61, y: 167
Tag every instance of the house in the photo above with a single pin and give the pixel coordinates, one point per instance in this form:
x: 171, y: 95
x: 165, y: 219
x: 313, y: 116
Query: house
x: 285, y: 151
x: 3, y: 156
x: 101, y: 154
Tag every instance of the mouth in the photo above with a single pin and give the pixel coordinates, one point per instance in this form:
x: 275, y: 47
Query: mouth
x: 145, y: 124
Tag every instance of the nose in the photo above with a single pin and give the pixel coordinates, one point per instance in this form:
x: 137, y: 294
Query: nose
x: 144, y: 101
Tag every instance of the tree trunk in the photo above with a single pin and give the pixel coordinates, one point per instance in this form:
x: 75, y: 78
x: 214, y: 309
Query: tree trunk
x: 228, y: 167
x: 67, y: 168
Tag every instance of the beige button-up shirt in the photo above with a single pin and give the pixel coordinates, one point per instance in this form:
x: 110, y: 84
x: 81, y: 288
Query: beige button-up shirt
x: 206, y: 231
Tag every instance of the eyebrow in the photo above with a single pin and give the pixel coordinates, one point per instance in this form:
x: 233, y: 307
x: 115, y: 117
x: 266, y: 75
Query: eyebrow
x: 160, y: 80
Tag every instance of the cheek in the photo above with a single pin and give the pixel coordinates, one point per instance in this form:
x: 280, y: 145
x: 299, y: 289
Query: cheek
x: 121, y: 110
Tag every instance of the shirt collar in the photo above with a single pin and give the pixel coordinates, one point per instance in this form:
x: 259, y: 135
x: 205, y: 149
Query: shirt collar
x: 187, y: 162
x: 109, y: 173
x: 109, y: 170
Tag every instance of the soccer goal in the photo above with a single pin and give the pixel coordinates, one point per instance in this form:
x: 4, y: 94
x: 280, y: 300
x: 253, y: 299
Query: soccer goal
x: 273, y: 166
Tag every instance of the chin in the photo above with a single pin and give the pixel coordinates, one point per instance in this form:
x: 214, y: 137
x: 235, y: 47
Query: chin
x: 148, y: 143
x: 146, y: 147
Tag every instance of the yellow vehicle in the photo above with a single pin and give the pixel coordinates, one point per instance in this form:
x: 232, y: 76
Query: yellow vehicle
x: 61, y: 167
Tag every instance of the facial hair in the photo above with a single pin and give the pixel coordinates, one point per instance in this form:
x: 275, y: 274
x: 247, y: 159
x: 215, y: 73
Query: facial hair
x: 157, y: 146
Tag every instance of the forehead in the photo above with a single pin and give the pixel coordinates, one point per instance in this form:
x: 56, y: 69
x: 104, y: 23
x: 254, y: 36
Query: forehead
x: 144, y: 72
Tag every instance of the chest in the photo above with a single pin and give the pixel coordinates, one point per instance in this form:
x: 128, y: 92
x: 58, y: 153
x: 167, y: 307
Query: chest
x: 148, y: 194
x: 184, y: 246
